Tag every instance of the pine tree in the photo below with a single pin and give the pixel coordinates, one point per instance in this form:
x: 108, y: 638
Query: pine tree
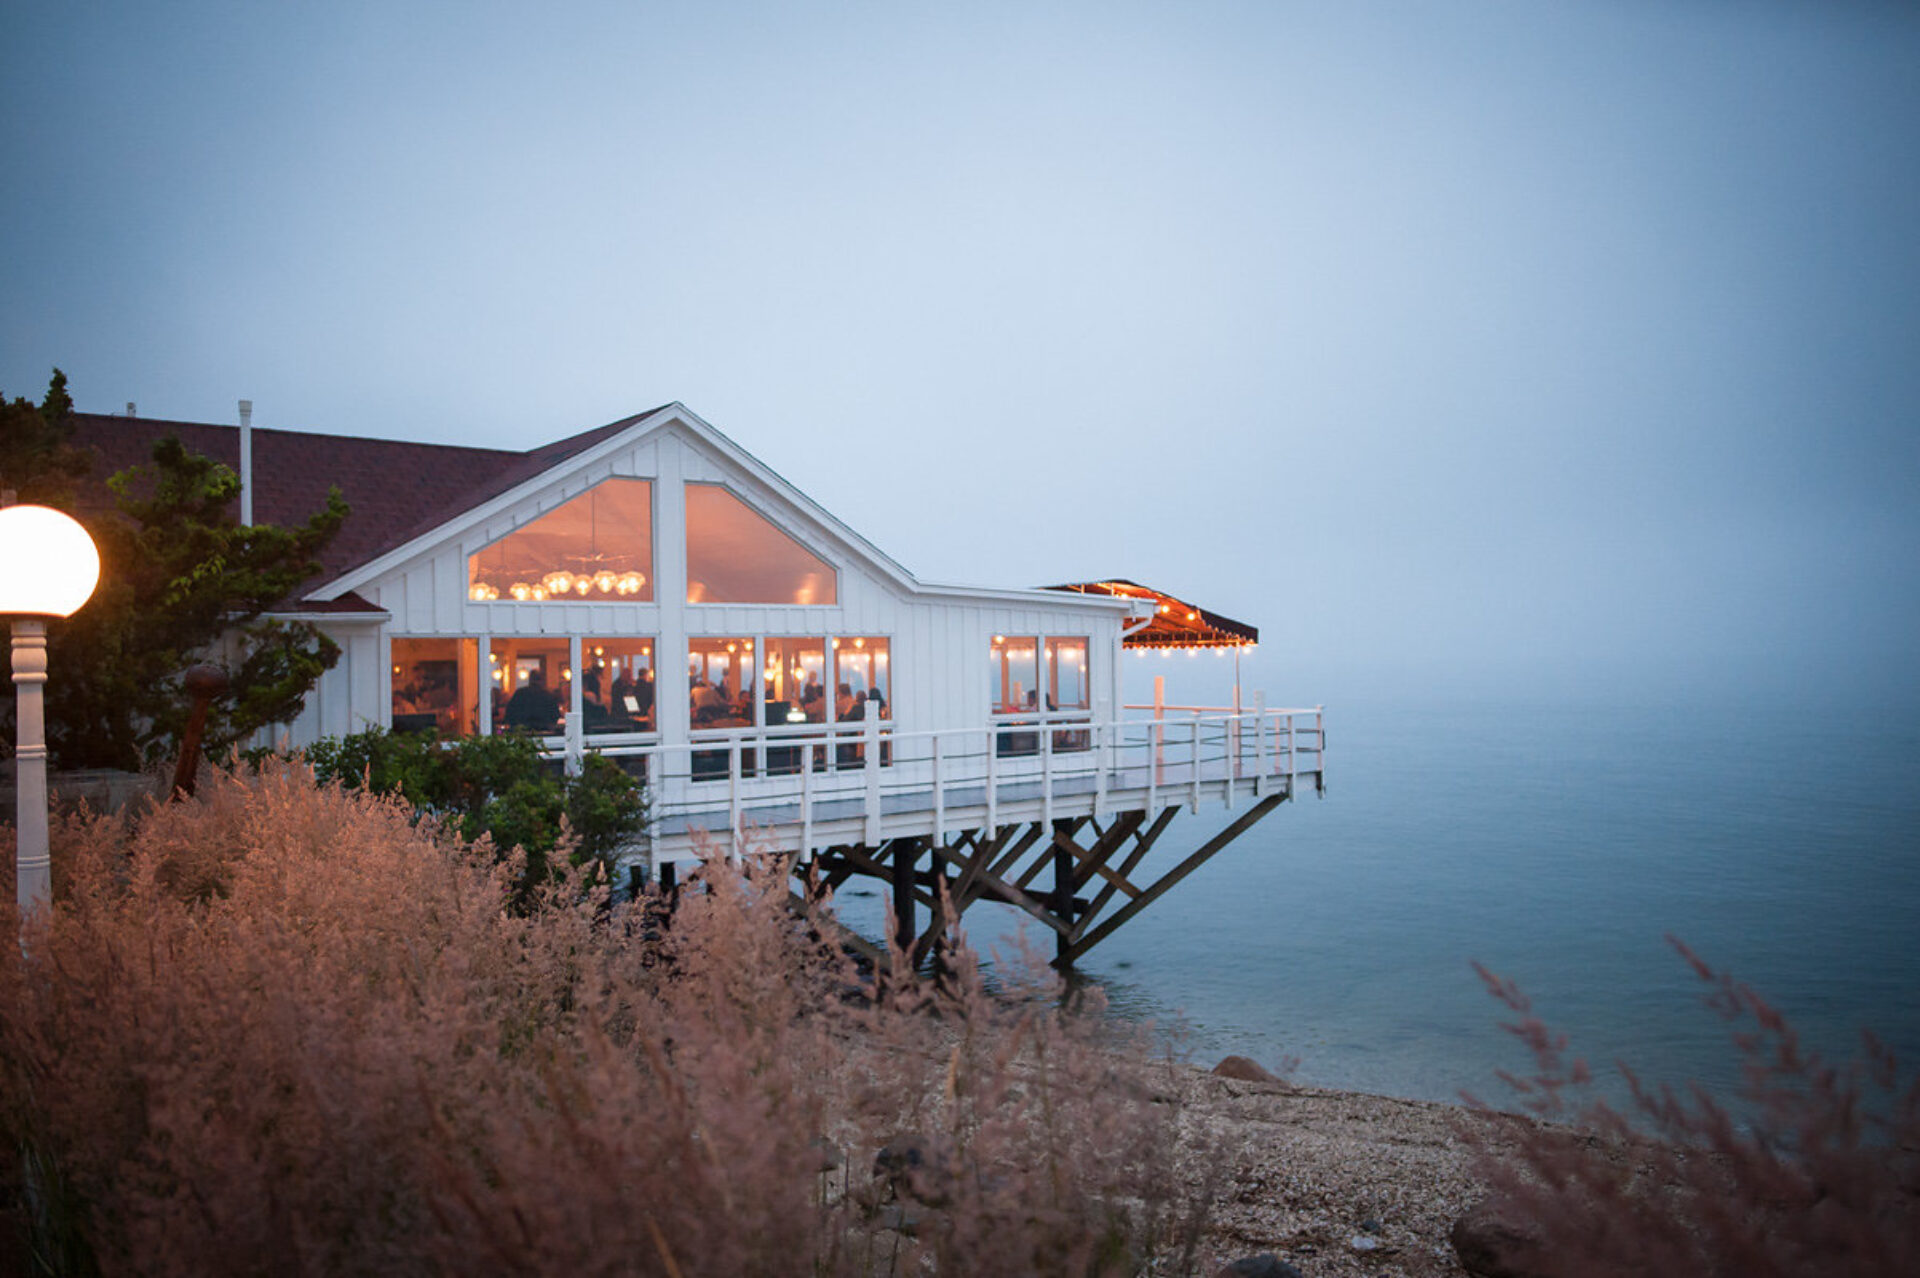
x: 181, y: 581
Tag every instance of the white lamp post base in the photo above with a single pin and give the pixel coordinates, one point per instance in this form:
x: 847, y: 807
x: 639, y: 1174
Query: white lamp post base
x: 33, y: 867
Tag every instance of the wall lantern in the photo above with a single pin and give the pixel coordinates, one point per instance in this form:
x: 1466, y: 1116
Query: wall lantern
x: 48, y: 568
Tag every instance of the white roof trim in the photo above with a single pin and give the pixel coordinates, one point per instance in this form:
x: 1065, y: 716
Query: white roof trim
x: 381, y: 565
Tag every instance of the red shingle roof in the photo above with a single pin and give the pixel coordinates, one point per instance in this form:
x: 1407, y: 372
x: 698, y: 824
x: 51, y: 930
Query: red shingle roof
x: 395, y: 489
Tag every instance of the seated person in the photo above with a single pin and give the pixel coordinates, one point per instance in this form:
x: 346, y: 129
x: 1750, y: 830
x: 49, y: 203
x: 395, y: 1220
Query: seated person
x: 593, y: 713
x: 533, y: 708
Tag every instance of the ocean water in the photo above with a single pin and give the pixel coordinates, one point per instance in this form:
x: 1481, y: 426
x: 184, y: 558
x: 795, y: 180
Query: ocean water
x: 1559, y: 844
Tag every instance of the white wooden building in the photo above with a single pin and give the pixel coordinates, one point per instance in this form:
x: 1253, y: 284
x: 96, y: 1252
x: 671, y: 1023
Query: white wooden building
x: 651, y: 591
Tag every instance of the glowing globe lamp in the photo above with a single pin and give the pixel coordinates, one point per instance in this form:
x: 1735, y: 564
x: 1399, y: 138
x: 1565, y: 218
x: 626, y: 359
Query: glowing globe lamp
x: 48, y: 564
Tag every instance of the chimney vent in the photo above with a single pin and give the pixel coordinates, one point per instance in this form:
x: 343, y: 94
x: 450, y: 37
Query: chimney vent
x: 246, y: 463
x: 131, y: 412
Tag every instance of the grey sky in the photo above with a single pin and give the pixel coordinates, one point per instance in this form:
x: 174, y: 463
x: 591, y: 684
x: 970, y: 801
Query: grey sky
x: 1534, y: 344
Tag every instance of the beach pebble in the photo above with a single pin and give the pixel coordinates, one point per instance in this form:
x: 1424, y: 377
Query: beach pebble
x: 1363, y: 1242
x: 1264, y: 1265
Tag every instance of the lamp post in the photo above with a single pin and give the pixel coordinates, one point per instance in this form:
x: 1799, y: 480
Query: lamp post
x: 48, y: 568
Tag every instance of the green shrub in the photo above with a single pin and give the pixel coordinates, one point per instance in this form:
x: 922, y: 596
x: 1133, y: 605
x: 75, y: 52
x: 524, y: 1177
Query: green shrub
x: 499, y: 786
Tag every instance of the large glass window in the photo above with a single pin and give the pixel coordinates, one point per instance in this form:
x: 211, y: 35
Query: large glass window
x: 616, y: 686
x: 1067, y: 673
x: 1068, y: 687
x: 720, y: 682
x: 597, y: 546
x: 531, y: 684
x: 796, y: 681
x: 860, y: 682
x: 735, y: 555
x: 1015, y: 674
x: 436, y: 686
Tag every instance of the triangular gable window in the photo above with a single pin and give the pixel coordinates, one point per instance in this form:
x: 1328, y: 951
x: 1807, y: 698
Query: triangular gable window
x: 736, y: 555
x: 597, y: 546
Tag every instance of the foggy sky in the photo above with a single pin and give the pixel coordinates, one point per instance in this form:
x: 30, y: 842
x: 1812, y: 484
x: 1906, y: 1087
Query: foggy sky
x: 1521, y: 346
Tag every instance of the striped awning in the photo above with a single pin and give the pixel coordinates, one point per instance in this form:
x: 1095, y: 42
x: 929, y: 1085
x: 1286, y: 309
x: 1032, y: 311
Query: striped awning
x: 1176, y: 623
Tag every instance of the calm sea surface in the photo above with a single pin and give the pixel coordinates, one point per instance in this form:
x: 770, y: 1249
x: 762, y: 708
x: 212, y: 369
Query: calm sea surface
x: 1558, y: 845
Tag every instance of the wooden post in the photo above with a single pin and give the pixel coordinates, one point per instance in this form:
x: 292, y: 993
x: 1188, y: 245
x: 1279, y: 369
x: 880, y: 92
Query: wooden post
x: 905, y: 852
x: 203, y: 684
x: 1062, y: 900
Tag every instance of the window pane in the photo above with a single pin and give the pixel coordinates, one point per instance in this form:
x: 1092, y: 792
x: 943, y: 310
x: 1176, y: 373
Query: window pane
x: 1067, y: 673
x: 1015, y: 674
x: 860, y: 677
x: 530, y: 684
x: 795, y: 675
x: 720, y: 682
x: 597, y: 546
x: 734, y: 555
x: 616, y: 689
x: 436, y: 686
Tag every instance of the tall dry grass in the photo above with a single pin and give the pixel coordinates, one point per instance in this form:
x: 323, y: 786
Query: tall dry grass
x: 1813, y: 1169
x: 284, y: 1028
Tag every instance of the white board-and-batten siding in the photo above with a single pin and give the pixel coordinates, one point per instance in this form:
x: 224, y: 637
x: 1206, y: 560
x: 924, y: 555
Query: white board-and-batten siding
x: 938, y: 639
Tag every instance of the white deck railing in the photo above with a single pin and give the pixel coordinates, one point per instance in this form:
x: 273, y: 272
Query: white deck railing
x: 1016, y: 767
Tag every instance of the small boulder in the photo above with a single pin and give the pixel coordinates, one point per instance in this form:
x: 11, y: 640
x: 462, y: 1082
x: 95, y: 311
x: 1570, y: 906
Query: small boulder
x: 1264, y: 1265
x: 1245, y: 1070
x: 1495, y: 1244
x: 915, y: 1167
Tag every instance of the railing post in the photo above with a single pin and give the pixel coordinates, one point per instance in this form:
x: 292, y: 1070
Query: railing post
x: 939, y: 797
x: 1196, y: 762
x: 1153, y: 770
x: 1293, y: 760
x: 870, y: 737
x: 1260, y: 786
x: 1232, y: 745
x: 733, y: 800
x: 993, y: 779
x: 1046, y: 773
x: 1099, y: 757
x: 1159, y: 715
x: 806, y: 800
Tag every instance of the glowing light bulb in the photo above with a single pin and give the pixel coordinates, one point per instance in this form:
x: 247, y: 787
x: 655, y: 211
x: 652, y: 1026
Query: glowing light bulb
x: 520, y: 590
x: 558, y: 583
x: 605, y: 580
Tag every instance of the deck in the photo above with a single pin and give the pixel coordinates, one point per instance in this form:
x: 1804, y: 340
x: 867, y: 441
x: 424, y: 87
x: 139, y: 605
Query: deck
x: 797, y: 789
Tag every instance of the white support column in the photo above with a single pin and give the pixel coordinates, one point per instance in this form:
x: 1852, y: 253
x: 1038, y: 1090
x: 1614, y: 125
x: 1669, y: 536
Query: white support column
x: 576, y: 702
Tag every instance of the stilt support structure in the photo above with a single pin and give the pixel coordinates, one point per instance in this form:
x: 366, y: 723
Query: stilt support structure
x: 1093, y: 861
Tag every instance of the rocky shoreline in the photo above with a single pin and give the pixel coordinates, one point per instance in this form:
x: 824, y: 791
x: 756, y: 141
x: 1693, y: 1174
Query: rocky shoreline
x: 1334, y: 1184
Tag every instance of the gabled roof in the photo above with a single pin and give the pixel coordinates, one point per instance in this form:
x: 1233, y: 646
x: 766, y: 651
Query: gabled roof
x: 405, y: 497
x: 395, y: 488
